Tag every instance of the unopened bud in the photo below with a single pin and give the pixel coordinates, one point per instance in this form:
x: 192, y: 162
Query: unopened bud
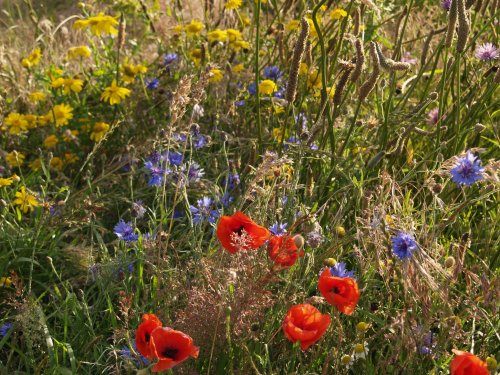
x: 449, y: 262
x: 362, y: 327
x: 491, y: 362
x: 299, y: 241
x: 479, y: 128
x: 330, y: 262
x: 340, y: 230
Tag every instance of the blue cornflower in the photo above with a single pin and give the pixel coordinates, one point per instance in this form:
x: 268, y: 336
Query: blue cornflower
x: 152, y: 83
x: 252, y: 89
x: 175, y: 158
x: 446, y: 4
x: 403, y: 245
x: 169, y: 58
x: 278, y: 229
x: 467, y: 170
x: 156, y: 173
x: 232, y: 181
x: 180, y: 137
x: 340, y: 270
x: 226, y: 200
x: 273, y: 72
x: 280, y: 93
x: 239, y: 103
x: 199, y: 141
x: 138, y: 359
x: 5, y: 328
x: 204, y: 211
x: 124, y: 231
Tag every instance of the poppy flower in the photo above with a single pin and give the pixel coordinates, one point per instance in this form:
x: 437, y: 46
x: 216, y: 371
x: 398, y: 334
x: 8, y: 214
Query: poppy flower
x: 343, y: 292
x: 283, y: 250
x: 239, y: 232
x: 306, y: 324
x: 171, y: 348
x: 466, y: 363
x: 143, y: 334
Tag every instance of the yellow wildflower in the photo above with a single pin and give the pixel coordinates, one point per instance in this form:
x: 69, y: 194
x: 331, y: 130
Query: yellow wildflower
x: 314, y: 79
x: 51, y: 141
x: 16, y: 123
x: 5, y: 181
x: 313, y: 33
x: 68, y: 84
x: 238, y: 68
x: 196, y: 56
x: 43, y: 120
x: 303, y: 69
x: 194, y: 27
x: 337, y: 14
x: 292, y: 25
x: 114, y: 94
x: 246, y: 20
x: 36, y: 96
x: 177, y: 29
x: 56, y: 163
x: 60, y: 114
x: 267, y: 87
x: 233, y: 35
x: 5, y: 281
x: 36, y: 165
x: 33, y: 59
x: 237, y: 45
x: 70, y: 158
x: 80, y: 52
x: 100, y: 25
x: 217, y: 35
x: 216, y: 75
x: 278, y: 109
x: 233, y: 4
x: 99, y: 130
x: 31, y: 120
x: 15, y: 159
x: 25, y: 200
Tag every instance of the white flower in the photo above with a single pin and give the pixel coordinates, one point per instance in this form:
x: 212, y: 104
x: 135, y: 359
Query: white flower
x: 361, y: 350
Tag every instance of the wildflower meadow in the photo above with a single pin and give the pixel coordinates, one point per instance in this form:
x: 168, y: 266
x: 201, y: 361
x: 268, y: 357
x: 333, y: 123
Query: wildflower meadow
x: 250, y: 187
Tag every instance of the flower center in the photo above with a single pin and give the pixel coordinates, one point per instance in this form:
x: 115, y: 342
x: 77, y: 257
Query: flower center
x: 170, y: 353
x: 239, y: 231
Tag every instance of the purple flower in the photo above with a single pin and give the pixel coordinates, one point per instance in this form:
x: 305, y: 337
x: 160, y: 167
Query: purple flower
x: 5, y: 328
x: 138, y: 359
x: 195, y: 172
x: 124, y: 231
x: 239, y: 103
x: 152, y: 83
x: 408, y: 58
x: 487, y: 52
x: 445, y: 4
x: 280, y: 93
x: 403, y: 245
x: 467, y: 170
x: 315, y: 239
x: 157, y: 173
x: 272, y: 72
x: 433, y: 116
x: 204, y: 211
x: 301, y: 120
x: 278, y: 229
x: 252, y: 89
x: 169, y: 58
x: 199, y: 141
x: 340, y: 270
x: 232, y: 181
x: 175, y: 158
x: 226, y: 200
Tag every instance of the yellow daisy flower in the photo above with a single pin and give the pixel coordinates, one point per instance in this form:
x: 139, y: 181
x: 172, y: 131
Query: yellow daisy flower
x: 194, y: 27
x: 80, y: 52
x: 16, y: 123
x: 51, y: 141
x: 337, y: 14
x: 99, y: 130
x: 5, y: 281
x: 233, y: 4
x: 36, y: 165
x: 25, y: 200
x: 60, y: 114
x: 15, y: 159
x: 33, y: 59
x: 114, y: 94
x: 267, y: 87
x: 5, y: 181
x: 36, y: 96
x: 216, y: 75
x: 217, y: 35
x: 100, y: 25
x: 238, y: 68
x: 70, y: 158
x: 56, y: 163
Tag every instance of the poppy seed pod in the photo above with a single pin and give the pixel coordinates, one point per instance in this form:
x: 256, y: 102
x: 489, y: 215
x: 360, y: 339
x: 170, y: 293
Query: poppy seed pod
x: 330, y: 262
x: 340, y: 230
x: 299, y: 241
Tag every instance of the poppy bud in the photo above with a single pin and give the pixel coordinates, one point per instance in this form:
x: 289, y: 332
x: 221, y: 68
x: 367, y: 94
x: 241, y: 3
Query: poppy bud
x: 299, y: 241
x: 449, y: 262
x: 340, y: 230
x: 330, y: 262
x: 228, y: 310
x: 491, y: 362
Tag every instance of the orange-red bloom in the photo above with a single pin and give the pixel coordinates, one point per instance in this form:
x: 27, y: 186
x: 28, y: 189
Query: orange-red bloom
x: 171, y: 348
x: 239, y: 232
x: 143, y: 334
x: 283, y: 250
x: 466, y: 363
x: 343, y: 292
x: 306, y: 324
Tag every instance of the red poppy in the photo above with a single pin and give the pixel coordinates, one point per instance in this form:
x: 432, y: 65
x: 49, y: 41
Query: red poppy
x: 466, y: 363
x: 306, y: 324
x: 343, y: 292
x: 239, y: 232
x: 171, y: 348
x: 283, y: 250
x: 143, y: 334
